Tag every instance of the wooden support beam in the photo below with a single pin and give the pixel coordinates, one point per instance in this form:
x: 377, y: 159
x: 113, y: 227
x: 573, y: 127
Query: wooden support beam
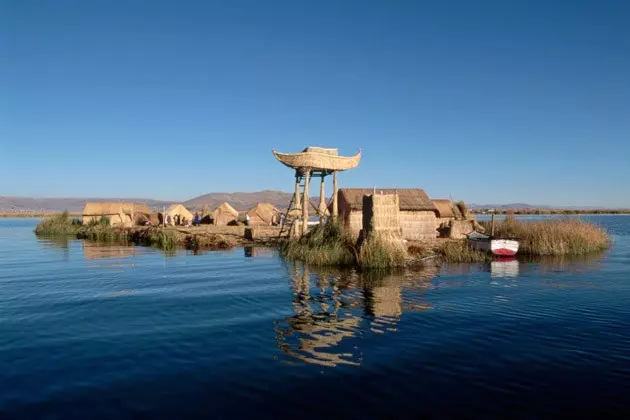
x: 322, y: 201
x: 296, y: 199
x: 335, y: 205
x: 307, y: 179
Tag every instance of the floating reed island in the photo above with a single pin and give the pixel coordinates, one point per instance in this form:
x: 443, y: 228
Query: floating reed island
x: 360, y: 227
x: 208, y: 237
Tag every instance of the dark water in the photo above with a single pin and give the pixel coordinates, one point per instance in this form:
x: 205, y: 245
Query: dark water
x: 116, y: 332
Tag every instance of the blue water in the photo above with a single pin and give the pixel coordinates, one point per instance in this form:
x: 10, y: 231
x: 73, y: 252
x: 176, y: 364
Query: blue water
x: 119, y: 332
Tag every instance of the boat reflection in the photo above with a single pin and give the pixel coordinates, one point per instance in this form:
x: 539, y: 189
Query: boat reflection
x: 333, y: 310
x: 504, y: 268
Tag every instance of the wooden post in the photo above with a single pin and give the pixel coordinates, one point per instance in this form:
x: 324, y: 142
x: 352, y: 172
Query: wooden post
x: 335, y: 209
x: 322, y: 200
x: 296, y: 199
x: 492, y: 225
x: 305, y: 202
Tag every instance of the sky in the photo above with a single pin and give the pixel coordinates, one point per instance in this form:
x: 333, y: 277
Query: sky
x: 485, y: 101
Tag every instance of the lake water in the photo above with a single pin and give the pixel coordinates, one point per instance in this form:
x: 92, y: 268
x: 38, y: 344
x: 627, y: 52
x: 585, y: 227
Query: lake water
x: 127, y: 332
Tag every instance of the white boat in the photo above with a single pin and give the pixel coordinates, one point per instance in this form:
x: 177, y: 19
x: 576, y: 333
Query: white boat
x: 502, y: 247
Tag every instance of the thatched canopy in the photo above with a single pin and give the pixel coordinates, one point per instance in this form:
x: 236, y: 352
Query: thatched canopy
x: 444, y: 208
x: 178, y: 209
x: 319, y: 158
x: 263, y: 212
x: 224, y: 214
x: 108, y: 208
x: 411, y: 199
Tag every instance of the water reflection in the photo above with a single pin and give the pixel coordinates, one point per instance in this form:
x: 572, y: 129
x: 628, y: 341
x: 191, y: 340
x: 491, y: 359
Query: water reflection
x: 259, y: 252
x: 333, y: 309
x: 508, y: 268
x: 96, y: 251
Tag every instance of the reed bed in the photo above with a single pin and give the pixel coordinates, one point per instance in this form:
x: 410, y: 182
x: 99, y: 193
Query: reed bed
x: 328, y: 244
x: 553, y: 237
x: 376, y: 252
x: 58, y: 225
x: 331, y: 244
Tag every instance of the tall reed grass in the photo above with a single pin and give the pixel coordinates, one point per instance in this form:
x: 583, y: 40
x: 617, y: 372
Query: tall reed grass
x: 327, y: 244
x: 331, y: 244
x: 553, y: 236
x: 58, y: 225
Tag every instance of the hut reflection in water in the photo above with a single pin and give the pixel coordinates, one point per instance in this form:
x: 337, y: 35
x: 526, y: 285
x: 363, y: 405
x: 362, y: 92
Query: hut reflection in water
x: 334, y: 310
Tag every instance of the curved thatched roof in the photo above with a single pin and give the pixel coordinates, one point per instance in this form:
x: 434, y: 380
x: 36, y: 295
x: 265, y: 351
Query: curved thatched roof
x: 444, y: 208
x: 263, y: 211
x: 319, y: 158
x: 411, y: 199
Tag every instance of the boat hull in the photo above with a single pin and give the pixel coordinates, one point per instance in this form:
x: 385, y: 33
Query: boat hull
x: 498, y: 247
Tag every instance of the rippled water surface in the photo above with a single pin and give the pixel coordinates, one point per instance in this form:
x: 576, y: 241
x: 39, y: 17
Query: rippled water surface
x: 119, y: 332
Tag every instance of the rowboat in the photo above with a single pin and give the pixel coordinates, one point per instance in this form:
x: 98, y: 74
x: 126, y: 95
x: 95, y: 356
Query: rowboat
x: 502, y: 247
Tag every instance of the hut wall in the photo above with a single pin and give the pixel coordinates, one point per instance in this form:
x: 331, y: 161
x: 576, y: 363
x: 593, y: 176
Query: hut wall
x: 381, y: 215
x: 354, y: 222
x: 123, y: 220
x: 418, y: 225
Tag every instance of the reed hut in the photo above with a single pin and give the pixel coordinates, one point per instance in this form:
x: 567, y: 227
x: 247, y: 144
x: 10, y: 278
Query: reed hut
x: 445, y: 212
x: 263, y: 214
x: 119, y: 213
x: 418, y: 215
x: 224, y: 214
x: 178, y: 210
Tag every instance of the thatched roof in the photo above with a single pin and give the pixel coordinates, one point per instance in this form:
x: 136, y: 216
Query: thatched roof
x: 411, y: 199
x: 319, y: 158
x: 226, y: 208
x: 107, y: 208
x: 263, y: 211
x: 174, y: 209
x: 444, y: 208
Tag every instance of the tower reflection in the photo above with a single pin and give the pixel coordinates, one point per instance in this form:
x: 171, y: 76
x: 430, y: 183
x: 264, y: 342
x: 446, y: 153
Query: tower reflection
x: 333, y: 310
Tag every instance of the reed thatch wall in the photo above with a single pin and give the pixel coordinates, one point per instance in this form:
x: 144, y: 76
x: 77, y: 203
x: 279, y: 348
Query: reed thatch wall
x: 119, y: 213
x: 418, y: 225
x: 381, y: 215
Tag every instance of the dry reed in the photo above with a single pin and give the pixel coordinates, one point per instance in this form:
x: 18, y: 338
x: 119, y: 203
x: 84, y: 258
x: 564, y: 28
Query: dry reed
x: 554, y: 236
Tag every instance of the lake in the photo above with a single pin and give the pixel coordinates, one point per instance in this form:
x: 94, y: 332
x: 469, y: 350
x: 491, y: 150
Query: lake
x: 90, y: 331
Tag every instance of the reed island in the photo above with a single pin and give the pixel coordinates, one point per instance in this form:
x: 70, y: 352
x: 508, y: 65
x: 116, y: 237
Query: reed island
x: 356, y: 227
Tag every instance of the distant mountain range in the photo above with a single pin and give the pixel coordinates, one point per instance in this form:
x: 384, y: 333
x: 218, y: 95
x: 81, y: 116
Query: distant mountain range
x: 239, y: 200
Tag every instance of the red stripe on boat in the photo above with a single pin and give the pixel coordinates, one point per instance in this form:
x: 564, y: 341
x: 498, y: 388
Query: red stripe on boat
x: 504, y: 252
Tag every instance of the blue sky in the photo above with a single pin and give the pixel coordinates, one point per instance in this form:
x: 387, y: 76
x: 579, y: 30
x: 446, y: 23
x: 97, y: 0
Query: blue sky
x: 490, y: 101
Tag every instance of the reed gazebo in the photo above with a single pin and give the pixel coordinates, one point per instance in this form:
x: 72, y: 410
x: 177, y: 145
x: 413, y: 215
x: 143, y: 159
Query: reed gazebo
x: 315, y: 162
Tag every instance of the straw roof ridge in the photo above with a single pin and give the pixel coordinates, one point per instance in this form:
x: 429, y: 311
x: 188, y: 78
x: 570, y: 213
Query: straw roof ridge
x: 411, y: 199
x: 444, y: 208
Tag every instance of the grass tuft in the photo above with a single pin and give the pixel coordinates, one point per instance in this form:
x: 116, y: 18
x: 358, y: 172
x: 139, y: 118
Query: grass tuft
x: 328, y: 244
x: 57, y: 225
x: 377, y: 252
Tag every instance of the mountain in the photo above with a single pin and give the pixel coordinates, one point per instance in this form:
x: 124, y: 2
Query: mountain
x: 241, y: 200
x: 238, y: 200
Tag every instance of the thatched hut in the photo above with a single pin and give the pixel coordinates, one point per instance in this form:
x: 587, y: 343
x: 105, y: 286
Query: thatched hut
x: 177, y: 210
x: 224, y: 214
x: 263, y: 214
x: 445, y: 212
x: 418, y: 215
x: 119, y: 213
